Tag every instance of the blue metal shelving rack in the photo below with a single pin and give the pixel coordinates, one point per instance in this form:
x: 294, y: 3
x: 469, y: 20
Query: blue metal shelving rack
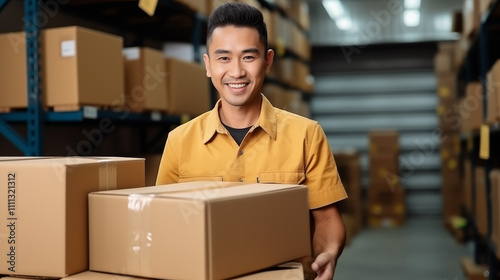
x: 35, y: 117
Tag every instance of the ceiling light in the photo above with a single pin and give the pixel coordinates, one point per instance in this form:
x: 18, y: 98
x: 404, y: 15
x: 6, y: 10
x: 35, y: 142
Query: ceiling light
x: 343, y: 23
x: 334, y: 8
x: 412, y: 4
x: 412, y: 18
x: 443, y: 22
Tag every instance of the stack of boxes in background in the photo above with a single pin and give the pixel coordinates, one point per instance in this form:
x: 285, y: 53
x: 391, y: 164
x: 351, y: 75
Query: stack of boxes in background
x: 349, y: 168
x: 93, y: 218
x: 449, y: 128
x: 386, y: 196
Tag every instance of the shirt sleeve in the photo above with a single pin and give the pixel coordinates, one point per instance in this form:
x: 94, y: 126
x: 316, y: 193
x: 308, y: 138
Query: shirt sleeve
x: 322, y: 178
x: 168, y: 171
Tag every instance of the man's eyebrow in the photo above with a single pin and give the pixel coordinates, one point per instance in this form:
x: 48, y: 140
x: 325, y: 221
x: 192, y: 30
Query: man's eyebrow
x: 221, y: 51
x: 252, y: 50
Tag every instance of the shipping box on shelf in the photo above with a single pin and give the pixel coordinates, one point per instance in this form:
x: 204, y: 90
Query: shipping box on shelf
x: 13, y: 77
x: 188, y: 88
x: 495, y: 211
x: 198, y: 230
x: 82, y: 66
x: 386, y: 207
x: 493, y: 93
x: 473, y: 105
x: 46, y: 210
x: 384, y: 142
x: 480, y: 196
x: 145, y: 80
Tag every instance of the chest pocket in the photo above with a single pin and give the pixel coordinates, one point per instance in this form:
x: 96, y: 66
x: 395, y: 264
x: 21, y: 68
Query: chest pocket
x: 183, y: 179
x: 281, y: 178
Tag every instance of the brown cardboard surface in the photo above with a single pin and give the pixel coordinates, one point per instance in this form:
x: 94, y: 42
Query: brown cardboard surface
x: 443, y: 62
x: 495, y: 211
x: 291, y: 270
x: 198, y: 230
x: 13, y: 81
x: 481, y: 213
x: 91, y: 63
x: 384, y: 142
x: 48, y: 210
x: 188, y: 88
x: 493, y: 90
x: 473, y: 105
x: 145, y: 80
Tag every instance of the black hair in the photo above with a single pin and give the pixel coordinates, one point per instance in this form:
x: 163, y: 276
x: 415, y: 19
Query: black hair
x: 239, y: 15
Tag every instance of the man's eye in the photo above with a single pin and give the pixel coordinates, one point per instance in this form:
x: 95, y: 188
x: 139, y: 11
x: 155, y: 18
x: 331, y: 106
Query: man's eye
x: 248, y: 57
x: 223, y: 58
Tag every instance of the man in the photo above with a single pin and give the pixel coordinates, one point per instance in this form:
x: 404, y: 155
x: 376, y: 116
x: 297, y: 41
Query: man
x: 244, y: 138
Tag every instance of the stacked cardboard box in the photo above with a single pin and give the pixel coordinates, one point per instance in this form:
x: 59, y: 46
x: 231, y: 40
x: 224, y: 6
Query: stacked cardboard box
x: 493, y: 94
x: 386, y: 196
x: 66, y: 212
x: 198, y: 230
x: 495, y: 211
x: 349, y: 168
x: 47, y: 213
x: 452, y: 188
x: 480, y: 197
x: 80, y: 67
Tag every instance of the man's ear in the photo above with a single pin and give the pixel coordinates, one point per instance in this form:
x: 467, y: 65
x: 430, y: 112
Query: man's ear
x: 206, y: 59
x: 269, y: 59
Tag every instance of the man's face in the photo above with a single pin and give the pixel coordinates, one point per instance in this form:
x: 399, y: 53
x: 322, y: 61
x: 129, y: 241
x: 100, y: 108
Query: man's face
x: 237, y: 63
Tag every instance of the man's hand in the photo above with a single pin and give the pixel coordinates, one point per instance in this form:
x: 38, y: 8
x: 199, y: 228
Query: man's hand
x: 324, y: 266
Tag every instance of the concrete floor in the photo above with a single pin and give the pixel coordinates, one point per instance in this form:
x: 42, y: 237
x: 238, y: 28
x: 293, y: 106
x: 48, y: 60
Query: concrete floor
x: 422, y: 249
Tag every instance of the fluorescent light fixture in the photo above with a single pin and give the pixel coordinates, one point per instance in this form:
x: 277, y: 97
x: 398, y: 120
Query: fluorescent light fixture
x: 334, y: 8
x: 344, y: 23
x: 412, y: 4
x: 412, y: 18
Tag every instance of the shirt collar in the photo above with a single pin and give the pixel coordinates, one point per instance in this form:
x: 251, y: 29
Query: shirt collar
x: 266, y: 120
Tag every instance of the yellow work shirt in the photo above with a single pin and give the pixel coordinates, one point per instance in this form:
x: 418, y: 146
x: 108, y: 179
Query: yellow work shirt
x: 280, y: 147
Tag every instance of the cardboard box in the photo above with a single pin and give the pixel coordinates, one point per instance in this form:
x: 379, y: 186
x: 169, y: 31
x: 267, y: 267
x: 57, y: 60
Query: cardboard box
x: 468, y: 195
x: 384, y: 142
x: 443, y: 62
x: 290, y: 270
x: 188, y: 88
x: 495, y: 211
x: 13, y: 72
x: 47, y: 213
x: 481, y: 212
x: 275, y: 93
x: 384, y: 171
x: 82, y: 67
x: 198, y: 230
x: 386, y: 208
x: 493, y: 91
x: 145, y: 80
x: 299, y: 11
x: 474, y: 105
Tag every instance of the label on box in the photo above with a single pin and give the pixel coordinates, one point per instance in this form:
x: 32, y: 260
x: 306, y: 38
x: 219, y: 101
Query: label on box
x: 90, y: 112
x: 68, y: 48
x: 148, y: 6
x: 132, y: 53
x: 156, y: 116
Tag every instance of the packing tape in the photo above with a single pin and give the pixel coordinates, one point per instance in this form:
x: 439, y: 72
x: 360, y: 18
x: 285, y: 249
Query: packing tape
x: 139, y: 234
x: 107, y: 175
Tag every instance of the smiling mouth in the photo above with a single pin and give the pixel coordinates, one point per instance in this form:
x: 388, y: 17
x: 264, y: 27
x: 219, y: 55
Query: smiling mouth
x: 237, y: 85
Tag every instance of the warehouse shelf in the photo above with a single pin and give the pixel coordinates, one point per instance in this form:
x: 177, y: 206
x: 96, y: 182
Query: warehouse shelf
x: 123, y: 14
x: 484, y: 50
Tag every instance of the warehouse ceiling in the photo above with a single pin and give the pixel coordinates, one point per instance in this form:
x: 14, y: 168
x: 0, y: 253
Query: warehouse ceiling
x: 362, y: 22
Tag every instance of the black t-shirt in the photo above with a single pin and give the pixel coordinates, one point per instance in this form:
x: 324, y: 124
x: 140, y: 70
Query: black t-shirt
x: 237, y: 133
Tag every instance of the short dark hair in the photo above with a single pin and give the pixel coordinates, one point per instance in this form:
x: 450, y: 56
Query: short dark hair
x: 239, y: 15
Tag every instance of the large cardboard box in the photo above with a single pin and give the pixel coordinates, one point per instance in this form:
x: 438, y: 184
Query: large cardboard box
x: 46, y: 210
x: 386, y: 207
x: 443, y: 62
x: 82, y: 67
x: 468, y: 191
x: 145, y: 80
x: 198, y: 230
x: 188, y: 88
x: 384, y: 171
x: 289, y: 270
x: 13, y: 81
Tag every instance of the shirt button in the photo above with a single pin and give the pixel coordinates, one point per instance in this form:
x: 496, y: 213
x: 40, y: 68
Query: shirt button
x: 241, y: 152
x: 240, y: 180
